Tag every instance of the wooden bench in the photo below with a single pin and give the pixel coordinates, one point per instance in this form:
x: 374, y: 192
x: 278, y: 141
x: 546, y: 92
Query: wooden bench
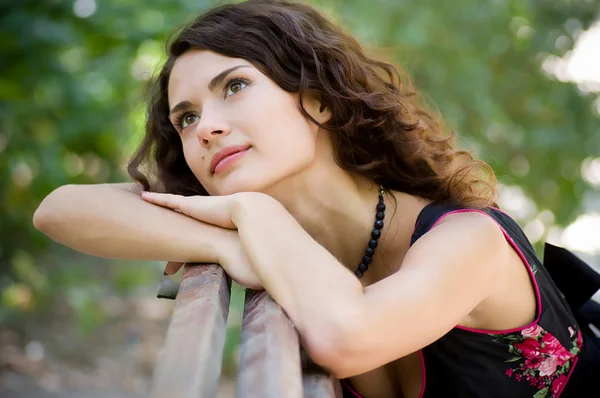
x: 272, y: 363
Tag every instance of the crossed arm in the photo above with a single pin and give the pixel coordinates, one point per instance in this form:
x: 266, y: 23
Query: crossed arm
x: 112, y: 221
x: 347, y: 329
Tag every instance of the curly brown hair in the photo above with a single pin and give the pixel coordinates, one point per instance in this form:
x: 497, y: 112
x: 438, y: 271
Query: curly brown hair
x: 379, y: 128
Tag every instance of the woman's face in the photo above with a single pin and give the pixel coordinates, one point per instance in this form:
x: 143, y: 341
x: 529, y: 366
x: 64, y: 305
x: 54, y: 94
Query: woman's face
x: 240, y: 131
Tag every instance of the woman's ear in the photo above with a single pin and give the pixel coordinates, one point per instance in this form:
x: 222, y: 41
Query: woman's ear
x: 317, y: 108
x: 324, y: 113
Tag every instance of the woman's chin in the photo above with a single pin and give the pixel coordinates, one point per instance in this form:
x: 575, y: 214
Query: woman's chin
x: 240, y: 183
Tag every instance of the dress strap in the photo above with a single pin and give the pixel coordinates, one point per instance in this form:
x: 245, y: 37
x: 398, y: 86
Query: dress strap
x: 429, y: 216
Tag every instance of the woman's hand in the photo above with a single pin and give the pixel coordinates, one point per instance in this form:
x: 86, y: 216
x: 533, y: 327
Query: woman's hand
x: 172, y: 267
x: 221, y: 211
x: 233, y: 260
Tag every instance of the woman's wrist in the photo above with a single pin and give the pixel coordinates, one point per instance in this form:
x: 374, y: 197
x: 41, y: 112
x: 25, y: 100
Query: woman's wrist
x: 224, y: 242
x: 248, y: 206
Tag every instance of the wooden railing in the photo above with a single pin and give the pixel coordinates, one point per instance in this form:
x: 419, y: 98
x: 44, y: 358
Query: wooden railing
x: 272, y: 363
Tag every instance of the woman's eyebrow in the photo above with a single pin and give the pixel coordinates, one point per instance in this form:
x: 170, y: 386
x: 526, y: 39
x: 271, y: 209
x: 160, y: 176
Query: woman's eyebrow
x: 211, y: 86
x: 221, y: 76
x: 180, y: 106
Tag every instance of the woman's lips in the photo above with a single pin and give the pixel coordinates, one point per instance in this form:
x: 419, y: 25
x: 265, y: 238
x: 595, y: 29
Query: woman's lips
x: 226, y: 157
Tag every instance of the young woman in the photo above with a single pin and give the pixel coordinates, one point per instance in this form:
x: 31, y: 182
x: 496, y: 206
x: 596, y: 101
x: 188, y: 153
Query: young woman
x: 306, y: 168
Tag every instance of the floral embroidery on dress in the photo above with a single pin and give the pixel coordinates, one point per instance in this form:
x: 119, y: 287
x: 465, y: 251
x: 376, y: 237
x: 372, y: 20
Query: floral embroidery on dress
x: 541, y: 359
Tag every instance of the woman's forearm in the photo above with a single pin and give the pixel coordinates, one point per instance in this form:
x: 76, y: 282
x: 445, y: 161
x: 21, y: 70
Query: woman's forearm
x: 112, y: 221
x: 315, y: 289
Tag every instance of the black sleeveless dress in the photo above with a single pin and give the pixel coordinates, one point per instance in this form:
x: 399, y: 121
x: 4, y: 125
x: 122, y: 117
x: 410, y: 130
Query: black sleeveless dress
x: 550, y: 357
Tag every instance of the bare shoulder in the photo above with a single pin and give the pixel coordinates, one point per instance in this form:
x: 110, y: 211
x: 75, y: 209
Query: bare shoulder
x: 463, y: 237
x: 472, y: 223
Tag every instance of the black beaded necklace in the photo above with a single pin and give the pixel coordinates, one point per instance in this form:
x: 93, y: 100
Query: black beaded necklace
x: 375, y: 235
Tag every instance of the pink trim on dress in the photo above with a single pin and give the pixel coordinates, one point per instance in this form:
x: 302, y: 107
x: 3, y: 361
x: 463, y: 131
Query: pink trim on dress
x: 500, y: 210
x: 347, y: 385
x: 523, y: 259
x: 423, y: 378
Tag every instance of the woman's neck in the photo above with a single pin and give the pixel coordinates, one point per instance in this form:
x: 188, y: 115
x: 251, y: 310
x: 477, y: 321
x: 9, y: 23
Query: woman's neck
x: 338, y: 210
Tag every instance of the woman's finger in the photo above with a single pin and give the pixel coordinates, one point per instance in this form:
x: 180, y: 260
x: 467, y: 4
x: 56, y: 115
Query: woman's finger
x: 183, y: 204
x: 210, y: 209
x: 164, y: 199
x: 172, y: 267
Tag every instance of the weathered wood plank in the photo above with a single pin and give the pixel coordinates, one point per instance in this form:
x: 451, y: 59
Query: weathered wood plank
x: 316, y: 382
x: 269, y: 352
x: 189, y: 365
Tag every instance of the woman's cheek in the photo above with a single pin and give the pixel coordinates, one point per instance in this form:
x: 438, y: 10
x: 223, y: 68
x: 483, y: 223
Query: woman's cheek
x: 195, y: 160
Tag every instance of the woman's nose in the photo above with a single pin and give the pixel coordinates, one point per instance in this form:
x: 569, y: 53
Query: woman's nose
x: 211, y: 128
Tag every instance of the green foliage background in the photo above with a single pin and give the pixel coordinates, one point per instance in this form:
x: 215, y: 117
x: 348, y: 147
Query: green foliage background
x: 71, y: 109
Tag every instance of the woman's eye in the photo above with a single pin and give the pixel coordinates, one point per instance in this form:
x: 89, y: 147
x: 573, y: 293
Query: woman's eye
x: 188, y: 120
x: 235, y: 87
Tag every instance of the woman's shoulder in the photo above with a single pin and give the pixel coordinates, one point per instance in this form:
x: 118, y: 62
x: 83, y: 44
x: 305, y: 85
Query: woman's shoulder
x: 434, y: 213
x: 478, y: 219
